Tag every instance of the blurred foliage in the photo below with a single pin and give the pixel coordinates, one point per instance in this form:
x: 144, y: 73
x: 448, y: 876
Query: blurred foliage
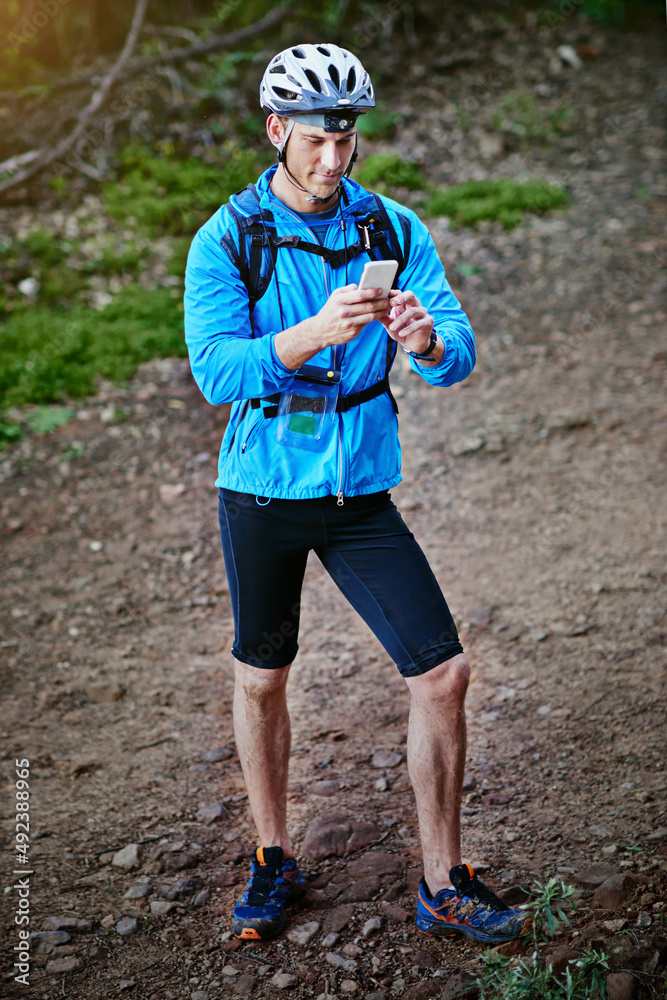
x: 50, y: 355
x: 381, y: 171
x: 45, y: 419
x: 380, y: 122
x: 502, y: 200
x: 170, y: 195
x: 520, y: 114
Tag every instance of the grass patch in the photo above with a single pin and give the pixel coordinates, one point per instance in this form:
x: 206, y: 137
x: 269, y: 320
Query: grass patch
x: 169, y: 195
x: 520, y: 114
x: 388, y: 170
x: 47, y: 356
x: 503, y: 200
x: 532, y: 978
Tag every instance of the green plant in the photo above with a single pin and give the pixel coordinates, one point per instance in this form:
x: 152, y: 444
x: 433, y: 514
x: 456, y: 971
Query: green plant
x: 532, y: 978
x: 381, y: 170
x: 48, y: 355
x: 45, y: 419
x: 520, y: 114
x: 503, y: 200
x: 169, y: 195
x: 379, y: 123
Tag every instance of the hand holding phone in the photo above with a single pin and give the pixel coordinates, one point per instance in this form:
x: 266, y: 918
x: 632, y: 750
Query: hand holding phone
x: 379, y: 274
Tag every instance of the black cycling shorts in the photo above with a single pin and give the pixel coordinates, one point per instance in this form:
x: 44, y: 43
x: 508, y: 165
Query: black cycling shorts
x: 368, y: 551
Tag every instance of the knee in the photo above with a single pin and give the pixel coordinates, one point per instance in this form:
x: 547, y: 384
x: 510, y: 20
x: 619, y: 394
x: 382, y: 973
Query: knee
x: 447, y: 683
x: 259, y: 685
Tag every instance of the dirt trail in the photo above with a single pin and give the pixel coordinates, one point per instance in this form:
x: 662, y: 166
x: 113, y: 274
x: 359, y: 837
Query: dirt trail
x: 537, y: 490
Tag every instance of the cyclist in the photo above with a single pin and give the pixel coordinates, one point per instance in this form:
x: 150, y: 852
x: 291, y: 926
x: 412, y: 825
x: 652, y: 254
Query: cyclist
x: 277, y: 325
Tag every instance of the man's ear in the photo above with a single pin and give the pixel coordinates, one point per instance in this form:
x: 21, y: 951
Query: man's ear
x: 275, y: 129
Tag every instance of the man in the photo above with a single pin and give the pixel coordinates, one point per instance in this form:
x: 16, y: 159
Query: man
x: 276, y: 325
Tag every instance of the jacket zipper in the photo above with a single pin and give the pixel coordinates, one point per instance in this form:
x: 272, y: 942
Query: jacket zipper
x: 340, y: 496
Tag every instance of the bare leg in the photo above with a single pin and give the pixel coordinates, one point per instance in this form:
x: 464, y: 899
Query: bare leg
x: 262, y: 731
x: 436, y: 760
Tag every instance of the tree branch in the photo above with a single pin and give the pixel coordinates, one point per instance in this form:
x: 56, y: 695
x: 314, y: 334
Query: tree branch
x: 215, y: 44
x: 94, y: 104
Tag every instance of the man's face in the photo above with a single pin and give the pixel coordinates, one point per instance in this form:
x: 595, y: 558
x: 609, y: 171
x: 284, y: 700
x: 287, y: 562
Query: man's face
x: 318, y: 159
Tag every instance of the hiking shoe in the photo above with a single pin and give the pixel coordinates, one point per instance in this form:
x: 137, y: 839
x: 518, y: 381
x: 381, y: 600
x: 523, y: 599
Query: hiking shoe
x: 470, y: 908
x: 274, y: 883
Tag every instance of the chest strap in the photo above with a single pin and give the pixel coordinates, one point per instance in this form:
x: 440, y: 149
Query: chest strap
x: 343, y: 403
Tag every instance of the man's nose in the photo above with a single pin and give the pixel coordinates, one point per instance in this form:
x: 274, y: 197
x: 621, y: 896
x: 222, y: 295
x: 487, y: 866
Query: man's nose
x: 330, y: 156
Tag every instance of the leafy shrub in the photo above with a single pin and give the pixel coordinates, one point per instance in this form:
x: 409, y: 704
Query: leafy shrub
x: 503, y: 200
x: 168, y: 195
x: 382, y: 170
x: 47, y: 356
x: 520, y: 114
x: 532, y: 978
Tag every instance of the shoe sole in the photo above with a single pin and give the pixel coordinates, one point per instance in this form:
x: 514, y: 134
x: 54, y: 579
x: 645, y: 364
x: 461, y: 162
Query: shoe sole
x: 258, y: 929
x: 454, y: 930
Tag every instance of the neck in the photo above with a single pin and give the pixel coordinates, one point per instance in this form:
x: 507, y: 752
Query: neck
x: 292, y: 196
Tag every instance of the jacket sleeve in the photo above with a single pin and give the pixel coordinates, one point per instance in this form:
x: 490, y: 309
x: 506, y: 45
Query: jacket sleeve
x: 227, y: 362
x: 425, y: 276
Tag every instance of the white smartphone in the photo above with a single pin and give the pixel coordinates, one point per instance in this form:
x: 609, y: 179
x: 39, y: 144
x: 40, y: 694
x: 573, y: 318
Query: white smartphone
x: 379, y: 274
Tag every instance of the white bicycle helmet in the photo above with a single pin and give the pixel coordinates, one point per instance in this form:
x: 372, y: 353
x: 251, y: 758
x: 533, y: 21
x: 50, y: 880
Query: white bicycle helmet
x: 319, y: 84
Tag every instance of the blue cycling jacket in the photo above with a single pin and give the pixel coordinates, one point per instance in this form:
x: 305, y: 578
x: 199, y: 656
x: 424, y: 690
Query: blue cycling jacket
x: 233, y: 360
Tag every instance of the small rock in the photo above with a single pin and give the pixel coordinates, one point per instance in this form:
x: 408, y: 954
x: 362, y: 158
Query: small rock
x: 421, y: 991
x: 622, y: 986
x: 348, y: 964
x: 348, y: 986
x: 105, y: 693
x: 609, y: 850
x: 179, y: 862
x: 568, y: 56
x: 215, y: 756
x: 127, y: 858
x: 561, y: 958
x: 614, y: 926
x: 210, y: 812
x: 396, y: 913
x: 372, y: 926
x: 201, y: 898
x: 161, y: 907
x: 69, y: 964
x: 107, y: 921
x: 599, y: 831
x: 50, y: 937
x: 643, y: 919
x: 360, y: 892
x: 424, y: 960
x: 137, y: 892
x: 469, y: 782
x: 382, y: 784
x: 509, y: 875
x: 199, y: 995
x: 283, y: 980
x: 66, y: 924
x: 351, y: 950
x: 461, y: 986
x: 170, y: 492
x: 386, y: 758
x: 594, y: 876
x: 230, y: 971
x: 614, y: 891
x: 330, y: 940
x: 657, y: 836
x: 304, y: 933
x: 337, y: 919
x: 126, y: 984
x: 127, y: 926
x: 245, y: 985
x: 376, y: 863
x: 325, y: 789
x: 467, y: 445
x: 335, y: 834
x: 375, y: 995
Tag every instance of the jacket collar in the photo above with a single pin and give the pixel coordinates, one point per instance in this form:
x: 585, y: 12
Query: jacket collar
x: 359, y: 200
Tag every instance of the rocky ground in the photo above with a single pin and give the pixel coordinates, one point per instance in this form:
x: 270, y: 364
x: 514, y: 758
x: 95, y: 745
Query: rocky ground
x: 537, y: 489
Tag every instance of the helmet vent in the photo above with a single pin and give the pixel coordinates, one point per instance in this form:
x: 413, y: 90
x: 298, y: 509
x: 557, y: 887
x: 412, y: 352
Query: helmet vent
x: 287, y: 95
x: 334, y: 76
x: 278, y: 69
x: 299, y: 53
x: 351, y: 81
x: 315, y: 83
x: 325, y: 52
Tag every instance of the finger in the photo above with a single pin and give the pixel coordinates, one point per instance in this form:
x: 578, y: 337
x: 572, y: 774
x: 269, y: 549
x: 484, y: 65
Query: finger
x: 411, y: 315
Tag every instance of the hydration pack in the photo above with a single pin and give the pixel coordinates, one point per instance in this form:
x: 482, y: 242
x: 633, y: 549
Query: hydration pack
x: 255, y: 259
